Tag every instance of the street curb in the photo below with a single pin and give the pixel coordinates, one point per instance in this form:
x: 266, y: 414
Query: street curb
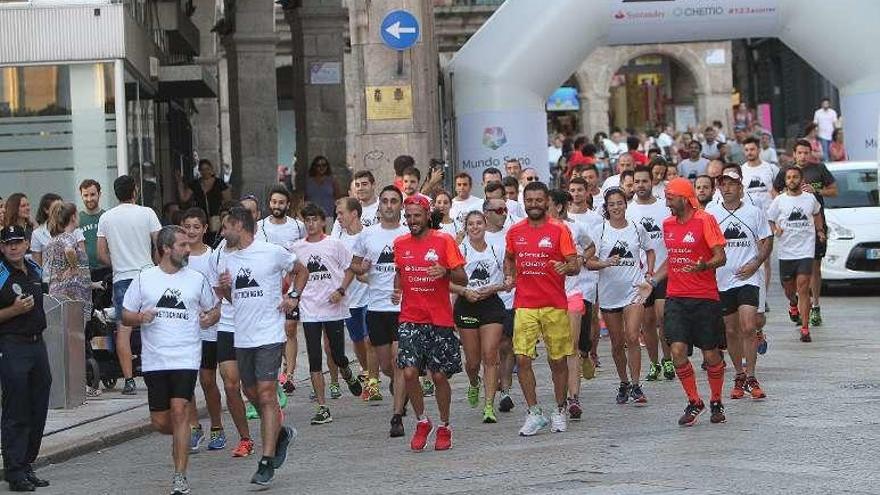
x: 111, y: 438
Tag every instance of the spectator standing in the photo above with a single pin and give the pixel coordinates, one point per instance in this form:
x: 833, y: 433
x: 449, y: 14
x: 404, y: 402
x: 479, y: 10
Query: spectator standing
x: 90, y: 193
x: 768, y: 151
x: 18, y: 212
x: 711, y: 142
x: 40, y: 236
x: 321, y: 188
x: 65, y: 257
x: 837, y: 151
x: 695, y: 164
x: 825, y: 118
x: 207, y: 192
x: 811, y: 134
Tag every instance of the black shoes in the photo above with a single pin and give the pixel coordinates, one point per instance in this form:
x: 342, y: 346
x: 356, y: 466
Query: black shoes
x: 36, y: 481
x: 717, y: 410
x: 396, y: 426
x: 265, y: 472
x: 285, y: 436
x: 23, y: 485
x: 130, y: 387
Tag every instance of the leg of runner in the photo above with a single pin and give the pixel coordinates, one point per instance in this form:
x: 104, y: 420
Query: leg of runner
x: 291, y: 348
x: 334, y: 334
x: 490, y: 338
x: 735, y: 343
x: 802, y: 281
x: 632, y: 321
x: 413, y: 387
x: 614, y: 320
x: 208, y: 380
x: 507, y: 361
x: 595, y: 334
x: 270, y: 415
x: 335, y: 391
x: 666, y: 363
x: 748, y: 317
x: 573, y: 361
x: 816, y: 292
x: 313, y: 332
x: 235, y: 406
x: 652, y: 342
x: 685, y: 372
x: 584, y: 344
x: 470, y: 342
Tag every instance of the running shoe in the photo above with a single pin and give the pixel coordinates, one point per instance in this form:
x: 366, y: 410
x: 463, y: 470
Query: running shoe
x: 245, y: 448
x: 443, y: 439
x: 265, y: 472
x: 533, y: 424
x: 654, y: 371
x: 691, y: 413
x: 761, y: 340
x: 636, y: 394
x: 354, y: 385
x: 179, y: 484
x: 93, y: 392
x: 588, y: 371
x: 286, y: 380
x: 420, y: 437
x: 717, y: 410
x: 374, y: 394
x: 217, y: 440
x: 427, y: 388
x: 815, y: 316
x: 753, y: 388
x: 574, y: 408
x: 668, y: 369
x: 285, y: 436
x: 473, y: 393
x: 622, y: 393
x: 737, y: 392
x: 335, y: 392
x: 805, y: 335
x: 506, y: 403
x: 322, y: 416
x: 558, y: 421
x: 396, y: 426
x: 794, y: 315
x: 251, y: 411
x: 130, y: 387
x: 365, y: 393
x: 196, y: 435
x: 489, y: 414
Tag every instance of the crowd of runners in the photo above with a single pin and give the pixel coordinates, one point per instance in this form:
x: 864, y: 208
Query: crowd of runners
x: 428, y: 287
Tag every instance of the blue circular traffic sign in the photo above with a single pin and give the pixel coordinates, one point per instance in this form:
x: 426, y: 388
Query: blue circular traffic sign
x: 400, y: 30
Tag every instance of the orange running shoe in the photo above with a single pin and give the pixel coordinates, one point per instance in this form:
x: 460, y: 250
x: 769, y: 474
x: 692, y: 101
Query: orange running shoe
x: 245, y: 448
x: 737, y: 391
x: 753, y: 388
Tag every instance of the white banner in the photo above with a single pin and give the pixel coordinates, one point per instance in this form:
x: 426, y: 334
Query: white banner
x: 861, y: 125
x: 489, y: 139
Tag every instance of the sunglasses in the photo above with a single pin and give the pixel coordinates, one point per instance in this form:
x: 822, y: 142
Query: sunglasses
x: 250, y: 197
x: 498, y: 211
x: 530, y: 179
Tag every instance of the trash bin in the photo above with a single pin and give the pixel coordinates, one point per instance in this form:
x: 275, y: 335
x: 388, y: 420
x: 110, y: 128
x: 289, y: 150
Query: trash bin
x: 65, y: 344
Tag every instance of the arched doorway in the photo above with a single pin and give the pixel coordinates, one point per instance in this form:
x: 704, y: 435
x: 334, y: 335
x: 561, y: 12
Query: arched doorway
x: 652, y: 89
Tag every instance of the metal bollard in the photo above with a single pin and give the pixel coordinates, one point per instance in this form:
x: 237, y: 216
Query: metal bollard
x: 65, y: 343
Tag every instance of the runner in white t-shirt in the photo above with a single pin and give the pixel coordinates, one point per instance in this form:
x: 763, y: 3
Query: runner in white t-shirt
x: 171, y: 303
x: 649, y: 212
x: 251, y: 277
x: 796, y: 220
x: 363, y: 189
x: 740, y: 280
x: 281, y: 230
x: 442, y: 203
x: 373, y: 256
x: 494, y: 190
x: 617, y: 255
x: 757, y: 178
x: 463, y: 202
x: 584, y: 211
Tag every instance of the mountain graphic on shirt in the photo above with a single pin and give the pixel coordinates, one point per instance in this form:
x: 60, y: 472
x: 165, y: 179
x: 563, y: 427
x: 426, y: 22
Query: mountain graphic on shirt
x: 386, y: 256
x: 734, y: 231
x: 621, y: 248
x: 796, y: 215
x: 481, y: 272
x: 650, y: 225
x: 244, y: 279
x: 756, y: 182
x: 315, y: 265
x: 171, y: 299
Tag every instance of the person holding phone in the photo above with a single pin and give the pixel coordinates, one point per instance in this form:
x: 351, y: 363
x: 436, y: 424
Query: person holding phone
x: 24, y: 365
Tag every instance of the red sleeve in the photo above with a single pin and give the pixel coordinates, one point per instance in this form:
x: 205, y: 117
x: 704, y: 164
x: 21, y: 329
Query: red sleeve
x: 508, y: 243
x: 454, y: 259
x: 712, y: 232
x: 566, y: 242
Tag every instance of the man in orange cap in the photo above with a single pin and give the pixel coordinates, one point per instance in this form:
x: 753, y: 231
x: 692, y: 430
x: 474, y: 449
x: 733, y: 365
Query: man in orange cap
x: 695, y: 247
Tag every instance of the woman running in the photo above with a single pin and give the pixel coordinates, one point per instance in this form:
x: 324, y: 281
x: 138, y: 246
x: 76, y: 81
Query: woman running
x: 442, y: 203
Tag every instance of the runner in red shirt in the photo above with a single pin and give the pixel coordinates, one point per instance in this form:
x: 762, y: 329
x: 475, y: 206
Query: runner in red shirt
x: 427, y: 261
x: 693, y: 317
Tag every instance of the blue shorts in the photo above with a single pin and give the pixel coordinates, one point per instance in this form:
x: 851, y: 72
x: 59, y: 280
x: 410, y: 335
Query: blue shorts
x: 119, y: 289
x: 357, y: 324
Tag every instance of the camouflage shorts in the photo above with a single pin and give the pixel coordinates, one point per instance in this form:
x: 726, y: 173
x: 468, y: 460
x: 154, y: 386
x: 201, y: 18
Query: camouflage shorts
x: 430, y: 347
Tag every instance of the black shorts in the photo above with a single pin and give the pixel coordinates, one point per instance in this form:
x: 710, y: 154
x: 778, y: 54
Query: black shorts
x: 612, y: 310
x: 789, y: 269
x: 695, y: 322
x: 474, y: 315
x: 509, y: 315
x: 658, y: 293
x: 225, y: 347
x: 209, y: 355
x: 585, y: 344
x: 426, y: 346
x: 164, y: 385
x: 745, y: 295
x: 382, y: 327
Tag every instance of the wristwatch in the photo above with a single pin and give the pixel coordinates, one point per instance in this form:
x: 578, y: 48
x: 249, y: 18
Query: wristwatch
x: 341, y: 291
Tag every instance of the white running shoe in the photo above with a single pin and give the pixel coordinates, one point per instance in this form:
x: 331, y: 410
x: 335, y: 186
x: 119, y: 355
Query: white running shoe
x: 533, y: 424
x: 558, y: 421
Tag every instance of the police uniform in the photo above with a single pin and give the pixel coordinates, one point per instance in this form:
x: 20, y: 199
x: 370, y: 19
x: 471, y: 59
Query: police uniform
x: 24, y: 370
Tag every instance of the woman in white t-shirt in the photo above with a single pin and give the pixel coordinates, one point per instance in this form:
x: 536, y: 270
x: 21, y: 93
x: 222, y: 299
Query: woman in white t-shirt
x: 617, y: 256
x: 442, y: 204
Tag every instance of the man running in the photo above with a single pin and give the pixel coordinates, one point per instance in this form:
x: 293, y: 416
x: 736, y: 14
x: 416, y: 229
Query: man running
x: 695, y: 249
x: 427, y: 261
x: 259, y: 309
x: 363, y: 189
x: 796, y: 219
x: 171, y: 303
x: 749, y: 244
x: 540, y: 253
x: 464, y: 202
x: 704, y: 188
x: 757, y: 178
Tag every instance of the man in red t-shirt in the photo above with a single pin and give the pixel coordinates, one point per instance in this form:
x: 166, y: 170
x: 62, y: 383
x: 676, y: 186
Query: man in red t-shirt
x: 540, y: 253
x: 693, y: 316
x: 427, y: 261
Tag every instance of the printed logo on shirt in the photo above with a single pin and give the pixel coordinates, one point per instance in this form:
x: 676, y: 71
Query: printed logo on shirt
x: 797, y: 215
x: 246, y: 285
x: 17, y: 289
x: 171, y: 305
x: 734, y: 231
x: 545, y: 242
x: 650, y: 225
x: 756, y: 183
x: 317, y: 269
x: 621, y: 248
x: 386, y: 256
x: 431, y: 255
x: 689, y: 238
x: 480, y: 276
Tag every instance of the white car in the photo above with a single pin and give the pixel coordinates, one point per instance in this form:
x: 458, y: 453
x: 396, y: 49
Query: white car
x: 853, y: 219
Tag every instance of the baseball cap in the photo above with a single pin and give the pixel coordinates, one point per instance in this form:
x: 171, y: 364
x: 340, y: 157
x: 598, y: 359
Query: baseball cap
x: 418, y: 200
x: 12, y: 233
x: 683, y: 188
x: 730, y: 174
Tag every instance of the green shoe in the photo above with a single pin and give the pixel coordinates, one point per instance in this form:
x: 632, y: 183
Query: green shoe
x: 251, y: 411
x: 282, y: 397
x: 473, y: 393
x: 653, y: 372
x: 815, y: 316
x: 427, y: 388
x: 668, y: 369
x: 489, y: 414
x: 335, y: 392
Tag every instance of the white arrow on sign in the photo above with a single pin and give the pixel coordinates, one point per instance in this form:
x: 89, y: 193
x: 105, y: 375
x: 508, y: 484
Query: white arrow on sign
x: 396, y: 30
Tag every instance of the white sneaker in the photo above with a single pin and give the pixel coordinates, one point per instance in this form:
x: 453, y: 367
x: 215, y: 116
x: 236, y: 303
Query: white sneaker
x: 558, y: 421
x: 179, y: 485
x: 533, y: 424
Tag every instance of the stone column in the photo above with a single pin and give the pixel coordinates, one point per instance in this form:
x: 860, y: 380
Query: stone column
x: 206, y: 122
x: 375, y: 143
x: 253, y: 105
x: 594, y: 112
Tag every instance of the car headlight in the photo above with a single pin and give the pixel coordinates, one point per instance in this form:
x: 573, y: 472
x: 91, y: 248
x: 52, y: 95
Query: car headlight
x: 839, y: 232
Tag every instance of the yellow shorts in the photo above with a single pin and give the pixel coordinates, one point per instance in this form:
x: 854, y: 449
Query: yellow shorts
x: 549, y: 324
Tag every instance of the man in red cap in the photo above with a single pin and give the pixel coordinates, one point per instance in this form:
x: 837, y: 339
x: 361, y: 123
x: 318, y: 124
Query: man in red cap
x: 695, y: 248
x: 427, y: 261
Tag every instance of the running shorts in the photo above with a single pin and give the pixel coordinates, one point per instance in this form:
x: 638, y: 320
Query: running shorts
x: 225, y: 346
x: 744, y: 295
x: 209, y: 355
x: 382, y: 327
x: 694, y: 322
x: 357, y: 324
x: 164, y: 385
x: 427, y: 346
x: 549, y: 324
x: 789, y: 269
x: 473, y: 315
x: 259, y: 364
x: 657, y: 294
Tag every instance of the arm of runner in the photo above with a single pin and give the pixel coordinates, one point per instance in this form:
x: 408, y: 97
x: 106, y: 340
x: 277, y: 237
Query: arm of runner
x: 300, y: 279
x: 132, y: 313
x: 509, y: 268
x: 593, y: 262
x: 397, y: 292
x: 820, y: 227
x: 210, y: 306
x: 568, y: 250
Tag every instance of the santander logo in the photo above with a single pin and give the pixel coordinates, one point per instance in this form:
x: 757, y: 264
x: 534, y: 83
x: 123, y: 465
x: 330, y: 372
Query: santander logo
x: 620, y: 15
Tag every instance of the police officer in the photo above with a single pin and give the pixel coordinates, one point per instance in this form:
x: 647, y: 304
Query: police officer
x: 24, y: 364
